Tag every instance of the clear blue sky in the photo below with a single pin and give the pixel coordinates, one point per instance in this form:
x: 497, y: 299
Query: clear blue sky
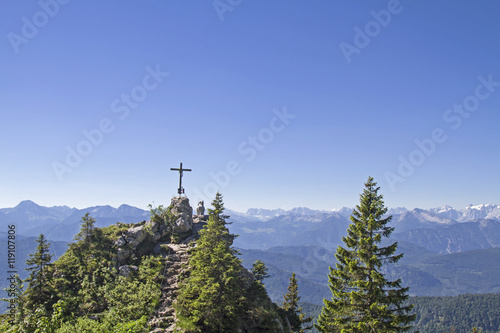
x: 351, y: 103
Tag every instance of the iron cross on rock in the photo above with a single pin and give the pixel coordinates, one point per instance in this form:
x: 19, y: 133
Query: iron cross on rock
x: 180, y: 169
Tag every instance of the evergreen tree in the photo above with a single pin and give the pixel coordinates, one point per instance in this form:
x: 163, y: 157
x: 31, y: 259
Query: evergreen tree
x: 291, y: 306
x: 91, y: 246
x: 211, y: 298
x: 363, y: 300
x: 39, y: 279
x: 86, y: 229
x: 259, y: 271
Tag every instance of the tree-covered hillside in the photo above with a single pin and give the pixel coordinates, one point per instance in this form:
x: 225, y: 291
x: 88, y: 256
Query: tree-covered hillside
x: 149, y: 276
x: 460, y: 314
x: 23, y: 247
x: 428, y: 274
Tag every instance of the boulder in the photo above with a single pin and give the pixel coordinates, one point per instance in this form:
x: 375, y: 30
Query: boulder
x: 135, y: 236
x: 120, y: 241
x: 125, y: 270
x: 200, y: 218
x: 154, y: 226
x: 181, y: 209
x: 123, y: 254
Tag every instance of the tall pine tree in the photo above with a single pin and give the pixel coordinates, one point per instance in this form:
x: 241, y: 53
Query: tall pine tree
x: 295, y: 316
x: 39, y: 280
x: 211, y: 298
x: 363, y: 299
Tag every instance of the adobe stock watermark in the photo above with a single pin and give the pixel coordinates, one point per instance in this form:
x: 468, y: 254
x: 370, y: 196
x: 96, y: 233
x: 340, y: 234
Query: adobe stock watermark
x: 223, y: 6
x: 31, y: 26
x: 373, y: 28
x: 309, y: 266
x: 453, y: 116
x: 248, y: 150
x: 122, y: 107
x: 327, y: 245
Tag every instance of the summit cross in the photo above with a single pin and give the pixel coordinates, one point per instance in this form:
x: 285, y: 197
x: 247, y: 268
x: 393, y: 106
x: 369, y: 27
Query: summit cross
x: 180, y: 169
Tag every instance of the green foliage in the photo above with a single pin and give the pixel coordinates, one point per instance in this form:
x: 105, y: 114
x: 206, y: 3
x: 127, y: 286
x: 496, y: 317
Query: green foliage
x: 162, y: 215
x: 39, y: 320
x: 211, y: 298
x: 293, y: 311
x: 82, y: 292
x: 39, y: 279
x: 135, y: 296
x: 259, y: 271
x: 83, y: 273
x: 464, y: 313
x: 86, y: 229
x: 259, y: 313
x: 363, y: 299
x: 110, y: 323
x: 219, y: 295
x: 115, y: 230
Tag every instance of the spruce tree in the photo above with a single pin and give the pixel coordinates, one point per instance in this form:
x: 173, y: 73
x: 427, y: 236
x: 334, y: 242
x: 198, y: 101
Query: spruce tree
x: 259, y: 271
x: 295, y: 316
x: 363, y: 299
x: 91, y: 244
x: 86, y: 229
x: 39, y: 279
x: 211, y: 298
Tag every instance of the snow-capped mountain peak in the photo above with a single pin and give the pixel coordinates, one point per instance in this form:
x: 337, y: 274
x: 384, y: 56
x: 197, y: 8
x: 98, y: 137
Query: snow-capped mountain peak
x: 482, y: 211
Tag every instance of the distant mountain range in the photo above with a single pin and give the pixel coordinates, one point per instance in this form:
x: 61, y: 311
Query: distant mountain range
x: 447, y: 251
x: 62, y: 222
x: 469, y: 213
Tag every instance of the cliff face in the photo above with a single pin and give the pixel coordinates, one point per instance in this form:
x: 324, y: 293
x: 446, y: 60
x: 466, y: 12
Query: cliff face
x: 173, y: 238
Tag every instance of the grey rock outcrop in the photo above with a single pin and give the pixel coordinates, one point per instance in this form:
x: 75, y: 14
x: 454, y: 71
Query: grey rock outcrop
x: 184, y: 214
x: 125, y: 270
x: 145, y: 236
x: 171, y: 236
x: 135, y: 236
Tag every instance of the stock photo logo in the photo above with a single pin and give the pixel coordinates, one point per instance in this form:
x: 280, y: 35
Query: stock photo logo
x: 121, y: 106
x: 247, y: 149
x: 223, y: 6
x: 31, y: 26
x: 453, y: 116
x: 363, y: 36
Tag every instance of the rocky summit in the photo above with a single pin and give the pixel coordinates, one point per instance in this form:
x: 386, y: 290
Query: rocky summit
x: 157, y: 238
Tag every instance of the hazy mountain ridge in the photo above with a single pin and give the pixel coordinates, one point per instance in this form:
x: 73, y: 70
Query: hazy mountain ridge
x: 459, y: 237
x: 32, y: 211
x: 62, y: 222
